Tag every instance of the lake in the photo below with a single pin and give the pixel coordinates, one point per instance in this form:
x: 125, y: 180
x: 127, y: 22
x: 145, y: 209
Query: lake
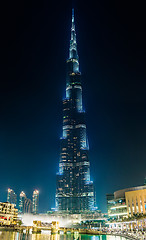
x: 9, y: 235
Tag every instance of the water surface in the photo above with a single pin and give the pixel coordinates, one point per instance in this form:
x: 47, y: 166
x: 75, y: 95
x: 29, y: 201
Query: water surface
x: 7, y: 235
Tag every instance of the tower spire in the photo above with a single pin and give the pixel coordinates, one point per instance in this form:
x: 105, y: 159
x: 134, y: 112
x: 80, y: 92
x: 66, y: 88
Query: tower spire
x: 73, y: 44
x: 73, y: 24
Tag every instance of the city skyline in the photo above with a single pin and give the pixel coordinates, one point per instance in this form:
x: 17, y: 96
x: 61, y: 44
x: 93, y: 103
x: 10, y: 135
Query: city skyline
x: 23, y: 203
x: 111, y: 45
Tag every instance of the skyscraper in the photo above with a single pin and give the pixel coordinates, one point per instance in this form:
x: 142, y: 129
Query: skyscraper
x: 75, y: 190
x: 11, y: 197
x: 22, y: 202
x: 25, y: 204
x: 35, y: 201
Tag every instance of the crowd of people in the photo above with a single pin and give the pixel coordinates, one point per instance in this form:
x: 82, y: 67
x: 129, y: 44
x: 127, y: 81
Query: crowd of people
x: 137, y: 235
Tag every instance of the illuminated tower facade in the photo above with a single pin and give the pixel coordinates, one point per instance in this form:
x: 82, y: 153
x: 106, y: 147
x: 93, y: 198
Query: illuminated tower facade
x: 25, y: 204
x: 75, y: 190
x: 22, y: 202
x: 11, y: 197
x: 35, y: 201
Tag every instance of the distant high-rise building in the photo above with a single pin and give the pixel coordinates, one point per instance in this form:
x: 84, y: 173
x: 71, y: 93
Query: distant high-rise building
x: 11, y: 197
x: 75, y: 190
x: 35, y: 201
x: 25, y: 204
x: 22, y: 201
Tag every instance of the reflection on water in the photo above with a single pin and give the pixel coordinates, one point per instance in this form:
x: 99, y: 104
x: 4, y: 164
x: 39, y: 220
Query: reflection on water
x: 6, y: 235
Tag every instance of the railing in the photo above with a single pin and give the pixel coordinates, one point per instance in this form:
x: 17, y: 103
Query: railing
x: 129, y: 235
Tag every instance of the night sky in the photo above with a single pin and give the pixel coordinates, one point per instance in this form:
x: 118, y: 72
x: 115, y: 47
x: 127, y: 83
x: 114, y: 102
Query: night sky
x: 111, y: 37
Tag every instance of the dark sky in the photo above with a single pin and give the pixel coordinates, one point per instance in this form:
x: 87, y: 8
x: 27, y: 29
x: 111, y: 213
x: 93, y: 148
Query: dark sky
x: 111, y: 38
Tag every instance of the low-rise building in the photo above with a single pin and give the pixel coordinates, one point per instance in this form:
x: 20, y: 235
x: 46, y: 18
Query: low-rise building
x: 118, y: 209
x: 110, y: 202
x: 136, y: 202
x: 8, y: 213
x: 127, y: 202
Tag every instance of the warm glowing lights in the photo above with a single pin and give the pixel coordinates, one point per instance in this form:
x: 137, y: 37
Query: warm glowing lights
x: 35, y: 192
x: 9, y: 190
x: 35, y: 201
x: 22, y: 194
x: 120, y: 206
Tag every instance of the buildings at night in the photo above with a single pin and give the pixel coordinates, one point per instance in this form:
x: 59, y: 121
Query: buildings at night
x: 8, y: 213
x: 75, y: 190
x: 22, y: 201
x: 35, y: 201
x: 109, y: 200
x: 25, y: 204
x: 11, y: 197
x: 127, y: 202
x: 28, y: 206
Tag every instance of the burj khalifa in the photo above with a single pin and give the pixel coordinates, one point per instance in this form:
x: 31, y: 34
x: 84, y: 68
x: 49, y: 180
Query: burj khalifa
x: 74, y: 190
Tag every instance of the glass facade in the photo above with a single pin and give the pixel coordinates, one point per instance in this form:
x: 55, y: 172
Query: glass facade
x: 119, y: 209
x: 75, y: 190
x: 35, y: 201
x: 25, y: 204
x: 110, y: 201
x: 11, y: 197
